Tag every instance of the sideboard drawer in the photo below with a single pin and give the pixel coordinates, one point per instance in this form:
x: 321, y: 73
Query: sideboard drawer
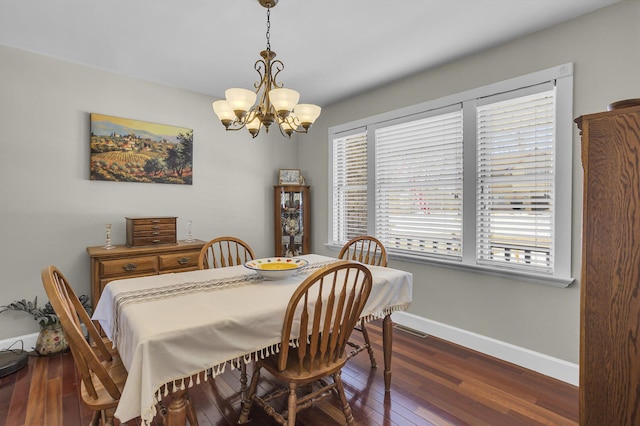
x: 129, y: 262
x: 128, y: 266
x: 179, y: 261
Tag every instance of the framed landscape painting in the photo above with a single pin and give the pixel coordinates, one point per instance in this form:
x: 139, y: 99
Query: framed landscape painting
x: 126, y: 150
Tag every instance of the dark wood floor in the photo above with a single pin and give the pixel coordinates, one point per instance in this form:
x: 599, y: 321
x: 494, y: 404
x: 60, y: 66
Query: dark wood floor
x: 434, y: 383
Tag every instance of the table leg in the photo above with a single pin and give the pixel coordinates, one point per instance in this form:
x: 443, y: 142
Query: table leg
x: 177, y: 413
x: 387, y: 344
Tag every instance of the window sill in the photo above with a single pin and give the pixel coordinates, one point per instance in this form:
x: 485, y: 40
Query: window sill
x: 505, y: 273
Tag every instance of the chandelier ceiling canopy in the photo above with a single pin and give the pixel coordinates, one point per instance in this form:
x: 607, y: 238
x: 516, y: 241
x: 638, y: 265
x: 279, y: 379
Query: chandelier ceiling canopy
x: 275, y: 103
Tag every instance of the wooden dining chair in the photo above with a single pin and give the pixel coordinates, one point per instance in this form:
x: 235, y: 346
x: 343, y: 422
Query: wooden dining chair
x: 319, y: 319
x: 101, y: 370
x: 370, y: 251
x: 224, y: 251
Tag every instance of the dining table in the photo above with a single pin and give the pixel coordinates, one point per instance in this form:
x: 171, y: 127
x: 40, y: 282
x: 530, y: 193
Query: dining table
x: 174, y: 330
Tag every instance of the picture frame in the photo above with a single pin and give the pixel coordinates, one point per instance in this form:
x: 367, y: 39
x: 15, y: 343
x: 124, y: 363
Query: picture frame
x: 129, y: 150
x: 289, y: 177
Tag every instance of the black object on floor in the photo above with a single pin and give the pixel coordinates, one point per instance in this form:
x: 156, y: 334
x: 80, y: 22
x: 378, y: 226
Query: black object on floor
x: 12, y: 360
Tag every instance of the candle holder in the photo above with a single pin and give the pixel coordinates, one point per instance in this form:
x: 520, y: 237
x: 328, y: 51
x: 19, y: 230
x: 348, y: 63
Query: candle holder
x: 189, y: 235
x: 107, y: 244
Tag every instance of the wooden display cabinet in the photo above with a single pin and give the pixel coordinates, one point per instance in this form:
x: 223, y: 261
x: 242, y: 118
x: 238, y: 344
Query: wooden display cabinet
x: 292, y: 220
x: 610, y: 283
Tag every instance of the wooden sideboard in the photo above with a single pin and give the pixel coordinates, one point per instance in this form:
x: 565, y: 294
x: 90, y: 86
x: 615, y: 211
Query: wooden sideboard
x: 610, y: 283
x: 128, y: 262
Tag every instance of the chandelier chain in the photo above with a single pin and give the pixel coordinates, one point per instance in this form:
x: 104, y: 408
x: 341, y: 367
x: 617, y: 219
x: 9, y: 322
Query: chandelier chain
x: 268, y: 28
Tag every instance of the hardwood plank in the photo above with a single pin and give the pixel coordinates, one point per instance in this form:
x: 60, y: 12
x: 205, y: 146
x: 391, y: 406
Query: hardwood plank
x: 69, y: 376
x: 71, y: 407
x: 20, y: 396
x: 37, y: 390
x: 434, y: 383
x: 7, y: 384
x: 53, y: 402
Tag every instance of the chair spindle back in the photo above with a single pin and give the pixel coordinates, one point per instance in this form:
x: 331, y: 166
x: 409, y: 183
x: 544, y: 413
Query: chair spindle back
x: 224, y: 251
x: 327, y: 306
x: 365, y: 249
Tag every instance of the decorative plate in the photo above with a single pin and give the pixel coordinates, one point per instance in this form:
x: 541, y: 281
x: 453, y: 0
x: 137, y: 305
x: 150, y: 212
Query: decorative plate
x: 276, y: 268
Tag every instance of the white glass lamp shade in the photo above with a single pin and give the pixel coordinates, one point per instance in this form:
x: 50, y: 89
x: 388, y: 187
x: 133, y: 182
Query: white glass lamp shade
x: 253, y: 126
x: 307, y: 113
x: 283, y: 99
x: 223, y: 110
x: 240, y: 99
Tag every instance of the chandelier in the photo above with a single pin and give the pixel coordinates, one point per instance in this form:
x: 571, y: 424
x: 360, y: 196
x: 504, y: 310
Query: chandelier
x: 276, y: 104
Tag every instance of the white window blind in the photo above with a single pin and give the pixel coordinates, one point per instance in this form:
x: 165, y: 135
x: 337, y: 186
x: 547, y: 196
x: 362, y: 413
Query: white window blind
x: 512, y: 142
x: 515, y: 183
x: 418, y: 183
x: 349, y: 187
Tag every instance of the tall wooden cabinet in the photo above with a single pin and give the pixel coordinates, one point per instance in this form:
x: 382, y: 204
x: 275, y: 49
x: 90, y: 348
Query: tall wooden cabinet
x: 610, y: 284
x: 292, y: 220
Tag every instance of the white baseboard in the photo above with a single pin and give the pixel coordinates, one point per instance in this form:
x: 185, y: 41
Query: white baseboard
x: 544, y: 364
x: 28, y: 342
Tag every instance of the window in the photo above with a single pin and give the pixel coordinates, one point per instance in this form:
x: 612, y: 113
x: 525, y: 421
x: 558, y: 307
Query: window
x: 350, y: 187
x: 515, y: 164
x: 418, y: 184
x: 479, y: 180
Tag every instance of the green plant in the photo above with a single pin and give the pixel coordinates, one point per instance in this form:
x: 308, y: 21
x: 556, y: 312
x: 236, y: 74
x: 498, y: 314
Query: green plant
x: 45, y: 315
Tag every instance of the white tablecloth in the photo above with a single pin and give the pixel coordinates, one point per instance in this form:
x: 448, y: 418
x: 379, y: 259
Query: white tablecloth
x: 174, y: 326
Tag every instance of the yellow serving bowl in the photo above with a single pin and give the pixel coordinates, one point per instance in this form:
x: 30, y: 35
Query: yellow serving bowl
x: 276, y: 268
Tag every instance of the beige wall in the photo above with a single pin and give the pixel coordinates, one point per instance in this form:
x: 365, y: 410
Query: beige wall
x: 49, y: 209
x: 605, y: 49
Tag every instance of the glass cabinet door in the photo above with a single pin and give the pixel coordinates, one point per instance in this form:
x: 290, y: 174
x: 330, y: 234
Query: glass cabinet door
x: 291, y: 220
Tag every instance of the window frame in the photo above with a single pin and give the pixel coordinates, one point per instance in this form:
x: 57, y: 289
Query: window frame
x: 562, y: 77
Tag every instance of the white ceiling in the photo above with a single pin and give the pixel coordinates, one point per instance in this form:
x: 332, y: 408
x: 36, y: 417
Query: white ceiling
x: 331, y: 48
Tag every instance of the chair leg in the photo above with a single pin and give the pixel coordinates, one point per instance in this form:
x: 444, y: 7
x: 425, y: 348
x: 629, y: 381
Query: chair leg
x: 292, y: 405
x: 191, y: 411
x: 248, y: 401
x: 107, y: 416
x: 95, y: 420
x: 367, y: 342
x: 346, y: 408
x: 243, y: 381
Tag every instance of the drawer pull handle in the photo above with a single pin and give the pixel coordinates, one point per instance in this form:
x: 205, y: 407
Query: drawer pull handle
x: 183, y: 260
x: 130, y: 267
x: 156, y: 241
x: 155, y: 221
x: 155, y: 233
x: 155, y: 227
